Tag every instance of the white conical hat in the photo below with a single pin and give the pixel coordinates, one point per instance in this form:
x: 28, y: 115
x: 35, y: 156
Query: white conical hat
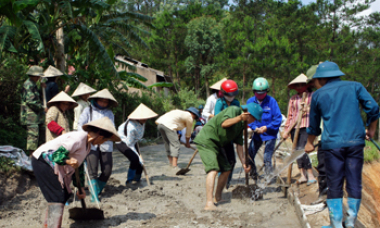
x: 299, y: 79
x: 83, y: 89
x: 142, y: 112
x: 62, y: 96
x: 218, y: 84
x: 106, y: 95
x: 52, y: 72
x: 105, y: 124
x: 35, y: 71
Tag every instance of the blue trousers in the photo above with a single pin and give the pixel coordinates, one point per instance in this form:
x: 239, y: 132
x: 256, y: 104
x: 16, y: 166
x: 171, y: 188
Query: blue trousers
x: 344, y: 163
x: 254, y: 146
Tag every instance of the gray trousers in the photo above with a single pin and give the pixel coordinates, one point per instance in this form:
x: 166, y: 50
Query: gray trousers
x: 105, y: 159
x: 171, y: 140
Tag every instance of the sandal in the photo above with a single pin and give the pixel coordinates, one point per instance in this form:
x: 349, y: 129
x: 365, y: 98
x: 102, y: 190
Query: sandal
x: 310, y: 182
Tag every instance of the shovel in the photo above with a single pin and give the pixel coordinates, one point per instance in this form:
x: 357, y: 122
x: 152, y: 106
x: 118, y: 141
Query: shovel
x: 145, y: 172
x: 84, y: 213
x: 186, y: 170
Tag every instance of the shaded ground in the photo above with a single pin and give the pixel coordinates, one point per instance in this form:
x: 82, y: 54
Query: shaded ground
x: 172, y: 201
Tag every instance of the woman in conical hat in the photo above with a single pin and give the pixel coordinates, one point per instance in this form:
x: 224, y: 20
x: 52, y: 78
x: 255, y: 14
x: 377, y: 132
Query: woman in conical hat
x: 208, y: 111
x: 83, y: 91
x: 300, y: 84
x: 56, y: 118
x: 54, y: 164
x: 52, y: 73
x: 101, y: 102
x: 132, y: 131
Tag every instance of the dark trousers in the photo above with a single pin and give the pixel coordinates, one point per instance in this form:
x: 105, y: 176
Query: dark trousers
x: 105, y: 159
x: 132, y: 157
x: 48, y: 182
x: 254, y: 146
x: 322, y: 182
x: 344, y: 163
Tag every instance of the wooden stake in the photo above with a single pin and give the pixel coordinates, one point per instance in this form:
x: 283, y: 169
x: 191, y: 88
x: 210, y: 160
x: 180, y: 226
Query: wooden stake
x: 246, y: 150
x: 296, y: 134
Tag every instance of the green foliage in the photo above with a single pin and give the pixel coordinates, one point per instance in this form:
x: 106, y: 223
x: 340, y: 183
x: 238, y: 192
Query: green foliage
x: 371, y: 153
x: 6, y: 166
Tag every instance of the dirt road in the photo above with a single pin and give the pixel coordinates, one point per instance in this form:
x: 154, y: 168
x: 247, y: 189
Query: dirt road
x: 172, y: 201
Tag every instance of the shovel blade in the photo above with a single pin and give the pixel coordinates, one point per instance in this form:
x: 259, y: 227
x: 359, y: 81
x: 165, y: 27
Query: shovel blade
x: 77, y: 213
x: 182, y: 171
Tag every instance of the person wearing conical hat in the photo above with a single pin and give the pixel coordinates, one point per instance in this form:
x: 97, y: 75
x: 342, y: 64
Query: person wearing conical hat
x: 54, y: 164
x: 52, y: 73
x: 83, y: 91
x: 56, y: 120
x: 339, y: 104
x: 208, y: 110
x: 300, y: 85
x: 131, y: 132
x: 101, y: 104
x: 32, y: 110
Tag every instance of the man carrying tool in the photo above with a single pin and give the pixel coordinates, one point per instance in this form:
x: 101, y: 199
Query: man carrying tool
x: 266, y: 130
x: 223, y: 128
x: 336, y: 103
x: 32, y: 110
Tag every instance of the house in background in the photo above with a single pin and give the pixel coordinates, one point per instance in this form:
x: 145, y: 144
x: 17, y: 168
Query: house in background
x: 152, y: 75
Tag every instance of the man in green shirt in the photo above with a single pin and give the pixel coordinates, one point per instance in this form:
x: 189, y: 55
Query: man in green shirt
x: 225, y: 127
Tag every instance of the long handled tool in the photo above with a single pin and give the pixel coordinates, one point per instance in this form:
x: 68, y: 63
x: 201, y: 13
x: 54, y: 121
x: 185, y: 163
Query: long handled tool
x: 246, y: 150
x: 373, y: 141
x: 296, y: 134
x: 143, y: 166
x: 186, y: 170
x: 84, y: 213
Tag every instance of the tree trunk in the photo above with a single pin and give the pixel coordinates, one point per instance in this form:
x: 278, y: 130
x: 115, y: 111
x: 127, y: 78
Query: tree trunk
x: 60, y: 50
x: 244, y: 83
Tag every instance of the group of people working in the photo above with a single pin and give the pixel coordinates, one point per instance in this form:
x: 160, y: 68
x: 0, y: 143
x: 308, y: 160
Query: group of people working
x: 340, y: 152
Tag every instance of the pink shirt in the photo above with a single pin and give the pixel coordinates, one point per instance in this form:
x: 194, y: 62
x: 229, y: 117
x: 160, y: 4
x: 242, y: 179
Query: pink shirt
x: 78, y: 147
x: 294, y: 110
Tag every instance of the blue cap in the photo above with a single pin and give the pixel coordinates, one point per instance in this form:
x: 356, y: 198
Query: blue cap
x: 254, y: 109
x: 194, y: 111
x: 328, y: 70
x: 200, y: 107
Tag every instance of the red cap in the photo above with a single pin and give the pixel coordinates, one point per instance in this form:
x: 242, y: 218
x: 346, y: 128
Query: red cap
x: 230, y: 88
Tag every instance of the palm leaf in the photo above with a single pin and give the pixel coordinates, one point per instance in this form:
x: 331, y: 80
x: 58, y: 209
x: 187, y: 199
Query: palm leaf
x: 124, y: 75
x: 6, y: 34
x: 161, y: 84
x: 34, y: 32
x: 97, y: 47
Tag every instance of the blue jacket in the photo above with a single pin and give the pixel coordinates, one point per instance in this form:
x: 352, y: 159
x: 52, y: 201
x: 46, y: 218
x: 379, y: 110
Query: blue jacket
x: 337, y: 103
x: 221, y: 104
x: 271, y: 118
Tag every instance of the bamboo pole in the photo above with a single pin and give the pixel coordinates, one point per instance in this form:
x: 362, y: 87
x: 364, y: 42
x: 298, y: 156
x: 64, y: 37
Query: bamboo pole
x: 246, y: 150
x: 296, y: 134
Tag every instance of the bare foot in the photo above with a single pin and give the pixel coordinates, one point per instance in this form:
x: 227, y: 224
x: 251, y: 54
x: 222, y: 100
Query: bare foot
x: 210, y: 206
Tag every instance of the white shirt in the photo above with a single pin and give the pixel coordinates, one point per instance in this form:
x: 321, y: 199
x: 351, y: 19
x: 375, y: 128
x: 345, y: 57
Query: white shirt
x: 177, y: 120
x: 209, y: 107
x: 78, y: 110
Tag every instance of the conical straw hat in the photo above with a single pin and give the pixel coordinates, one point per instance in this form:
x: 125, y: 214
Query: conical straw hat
x: 62, y: 96
x: 105, y: 124
x: 106, y: 95
x: 35, y: 71
x: 52, y: 72
x: 142, y: 112
x: 83, y: 89
x: 218, y: 84
x: 299, y: 79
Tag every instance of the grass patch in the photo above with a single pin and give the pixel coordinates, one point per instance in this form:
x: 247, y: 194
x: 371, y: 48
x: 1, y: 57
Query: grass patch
x: 371, y: 153
x: 7, y: 166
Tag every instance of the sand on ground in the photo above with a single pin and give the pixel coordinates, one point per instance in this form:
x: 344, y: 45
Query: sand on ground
x: 171, y: 201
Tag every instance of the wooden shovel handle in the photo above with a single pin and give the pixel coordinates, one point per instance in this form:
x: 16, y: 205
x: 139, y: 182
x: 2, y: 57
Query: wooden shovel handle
x: 79, y: 187
x: 143, y: 166
x: 191, y: 159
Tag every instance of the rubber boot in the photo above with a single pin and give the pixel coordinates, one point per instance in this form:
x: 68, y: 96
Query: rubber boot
x: 137, y: 177
x: 55, y: 214
x: 336, y: 213
x: 130, y: 176
x: 94, y: 190
x: 101, y: 184
x: 353, y: 209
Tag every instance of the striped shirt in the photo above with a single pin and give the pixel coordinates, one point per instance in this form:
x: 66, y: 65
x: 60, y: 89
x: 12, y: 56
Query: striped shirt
x: 294, y: 110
